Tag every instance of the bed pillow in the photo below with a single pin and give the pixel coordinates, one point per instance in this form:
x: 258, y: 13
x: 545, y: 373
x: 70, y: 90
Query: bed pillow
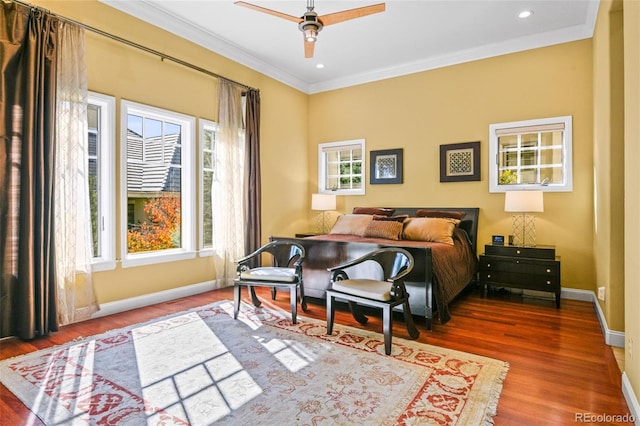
x: 351, y: 224
x: 441, y: 214
x: 389, y: 228
x: 439, y: 230
x: 399, y: 218
x: 373, y: 211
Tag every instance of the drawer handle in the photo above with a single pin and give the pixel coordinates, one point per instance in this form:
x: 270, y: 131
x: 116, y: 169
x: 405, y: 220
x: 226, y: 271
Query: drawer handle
x: 548, y: 282
x: 517, y: 261
x: 488, y: 275
x: 518, y: 251
x: 548, y: 271
x: 488, y: 265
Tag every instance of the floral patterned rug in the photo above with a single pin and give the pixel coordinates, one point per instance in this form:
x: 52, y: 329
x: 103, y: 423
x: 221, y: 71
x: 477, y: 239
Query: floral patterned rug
x: 201, y: 367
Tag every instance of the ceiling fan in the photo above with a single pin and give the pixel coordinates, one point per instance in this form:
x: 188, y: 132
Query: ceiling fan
x: 311, y: 24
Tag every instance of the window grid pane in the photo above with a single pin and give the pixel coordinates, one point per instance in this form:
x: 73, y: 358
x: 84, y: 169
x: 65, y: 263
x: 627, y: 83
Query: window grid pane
x: 154, y: 184
x: 93, y: 112
x: 208, y: 160
x: 523, y: 157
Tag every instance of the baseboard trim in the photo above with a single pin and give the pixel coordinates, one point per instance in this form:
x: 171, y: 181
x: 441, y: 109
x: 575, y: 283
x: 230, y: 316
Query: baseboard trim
x: 123, y: 305
x: 631, y: 398
x: 611, y: 337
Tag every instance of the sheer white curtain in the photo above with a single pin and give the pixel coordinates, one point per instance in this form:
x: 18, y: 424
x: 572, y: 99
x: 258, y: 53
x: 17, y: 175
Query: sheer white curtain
x: 73, y: 249
x: 227, y: 188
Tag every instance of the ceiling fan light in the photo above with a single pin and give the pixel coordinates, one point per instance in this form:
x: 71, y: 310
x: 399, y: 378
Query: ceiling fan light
x: 310, y: 35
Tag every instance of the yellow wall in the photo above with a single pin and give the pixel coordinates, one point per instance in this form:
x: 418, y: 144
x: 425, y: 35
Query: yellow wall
x: 608, y: 123
x: 419, y: 112
x: 127, y: 73
x: 632, y: 194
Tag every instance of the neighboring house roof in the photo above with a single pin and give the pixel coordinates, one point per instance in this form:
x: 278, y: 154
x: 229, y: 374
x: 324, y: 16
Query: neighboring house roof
x: 153, y: 164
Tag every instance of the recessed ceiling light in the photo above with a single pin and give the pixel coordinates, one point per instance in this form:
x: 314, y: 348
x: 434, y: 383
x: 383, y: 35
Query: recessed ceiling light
x: 525, y: 14
x: 319, y: 66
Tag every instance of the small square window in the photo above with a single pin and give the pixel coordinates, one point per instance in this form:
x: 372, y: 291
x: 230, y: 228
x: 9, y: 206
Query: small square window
x: 341, y: 167
x: 531, y: 153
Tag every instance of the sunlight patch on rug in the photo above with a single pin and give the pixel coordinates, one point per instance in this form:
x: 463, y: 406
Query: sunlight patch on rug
x: 202, y: 366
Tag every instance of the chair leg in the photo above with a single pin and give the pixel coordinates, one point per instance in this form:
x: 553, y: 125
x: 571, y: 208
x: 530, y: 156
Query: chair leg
x: 387, y: 325
x: 303, y: 301
x: 357, y: 313
x: 331, y: 312
x: 254, y: 298
x: 273, y: 293
x: 294, y: 303
x: 408, y: 318
x: 236, y: 300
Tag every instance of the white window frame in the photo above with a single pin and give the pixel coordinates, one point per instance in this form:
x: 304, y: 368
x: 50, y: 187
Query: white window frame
x: 204, y: 126
x: 322, y: 167
x: 187, y: 181
x: 106, y: 151
x: 567, y: 154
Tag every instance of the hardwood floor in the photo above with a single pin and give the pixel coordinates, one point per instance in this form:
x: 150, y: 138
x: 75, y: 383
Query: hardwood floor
x: 560, y: 367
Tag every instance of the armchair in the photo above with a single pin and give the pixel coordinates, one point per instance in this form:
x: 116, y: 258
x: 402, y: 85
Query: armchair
x: 386, y: 293
x: 286, y: 271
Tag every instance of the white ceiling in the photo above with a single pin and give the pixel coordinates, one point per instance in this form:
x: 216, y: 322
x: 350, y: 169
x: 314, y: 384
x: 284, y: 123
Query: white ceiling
x: 410, y: 36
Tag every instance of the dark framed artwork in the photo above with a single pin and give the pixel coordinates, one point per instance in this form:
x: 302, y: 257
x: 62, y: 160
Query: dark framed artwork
x: 460, y: 162
x: 386, y: 166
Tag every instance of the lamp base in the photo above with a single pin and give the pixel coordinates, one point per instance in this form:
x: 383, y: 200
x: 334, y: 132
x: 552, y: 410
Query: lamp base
x: 321, y: 223
x: 524, y: 230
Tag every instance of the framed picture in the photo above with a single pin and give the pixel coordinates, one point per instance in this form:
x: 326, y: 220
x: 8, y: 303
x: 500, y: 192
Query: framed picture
x: 386, y: 166
x: 460, y: 162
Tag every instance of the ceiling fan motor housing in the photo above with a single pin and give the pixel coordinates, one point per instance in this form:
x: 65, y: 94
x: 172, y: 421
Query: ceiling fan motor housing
x: 310, y: 23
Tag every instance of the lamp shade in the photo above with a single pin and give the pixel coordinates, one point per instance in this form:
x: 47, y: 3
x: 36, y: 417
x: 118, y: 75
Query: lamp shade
x: 523, y: 201
x: 323, y: 201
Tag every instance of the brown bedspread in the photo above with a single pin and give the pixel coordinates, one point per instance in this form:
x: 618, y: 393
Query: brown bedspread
x: 453, y: 265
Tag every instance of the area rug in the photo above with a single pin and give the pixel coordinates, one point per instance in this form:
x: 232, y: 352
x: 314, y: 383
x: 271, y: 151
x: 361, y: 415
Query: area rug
x: 201, y: 367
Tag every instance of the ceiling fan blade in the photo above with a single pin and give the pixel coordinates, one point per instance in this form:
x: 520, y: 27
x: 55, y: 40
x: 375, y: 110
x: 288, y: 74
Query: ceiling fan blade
x: 269, y: 11
x: 345, y: 15
x: 308, y: 48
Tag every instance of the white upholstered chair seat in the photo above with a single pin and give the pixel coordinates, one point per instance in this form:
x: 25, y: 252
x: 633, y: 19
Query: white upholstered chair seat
x: 272, y: 273
x: 368, y: 288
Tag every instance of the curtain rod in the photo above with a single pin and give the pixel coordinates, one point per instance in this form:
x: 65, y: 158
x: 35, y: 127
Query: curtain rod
x: 136, y: 45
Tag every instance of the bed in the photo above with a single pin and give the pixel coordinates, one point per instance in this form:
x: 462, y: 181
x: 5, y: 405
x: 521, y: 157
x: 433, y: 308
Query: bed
x: 443, y: 267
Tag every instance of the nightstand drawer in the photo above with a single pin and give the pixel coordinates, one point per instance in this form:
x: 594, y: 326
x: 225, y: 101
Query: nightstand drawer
x: 521, y: 280
x: 539, y: 252
x: 524, y: 266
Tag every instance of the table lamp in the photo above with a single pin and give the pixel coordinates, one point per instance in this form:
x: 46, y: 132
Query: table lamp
x: 324, y: 203
x: 524, y: 226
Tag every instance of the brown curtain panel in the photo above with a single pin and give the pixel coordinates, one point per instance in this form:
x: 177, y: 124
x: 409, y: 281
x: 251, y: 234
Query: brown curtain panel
x: 27, y: 91
x: 253, y: 193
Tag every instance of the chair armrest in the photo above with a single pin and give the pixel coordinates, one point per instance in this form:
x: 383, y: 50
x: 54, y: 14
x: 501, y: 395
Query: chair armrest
x: 350, y: 263
x: 400, y: 275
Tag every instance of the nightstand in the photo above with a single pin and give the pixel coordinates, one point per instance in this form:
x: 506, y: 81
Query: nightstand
x: 531, y: 268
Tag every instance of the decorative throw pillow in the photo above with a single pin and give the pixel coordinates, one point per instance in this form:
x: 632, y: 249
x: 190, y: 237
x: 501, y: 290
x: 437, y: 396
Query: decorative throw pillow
x: 373, y: 210
x: 399, y: 218
x: 351, y: 224
x: 441, y: 214
x: 439, y: 230
x: 387, y: 229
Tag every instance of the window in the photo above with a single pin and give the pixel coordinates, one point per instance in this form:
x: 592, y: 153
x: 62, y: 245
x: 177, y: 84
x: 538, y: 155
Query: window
x: 158, y: 182
x: 341, y: 167
x: 532, y: 153
x: 101, y: 137
x: 208, y: 137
